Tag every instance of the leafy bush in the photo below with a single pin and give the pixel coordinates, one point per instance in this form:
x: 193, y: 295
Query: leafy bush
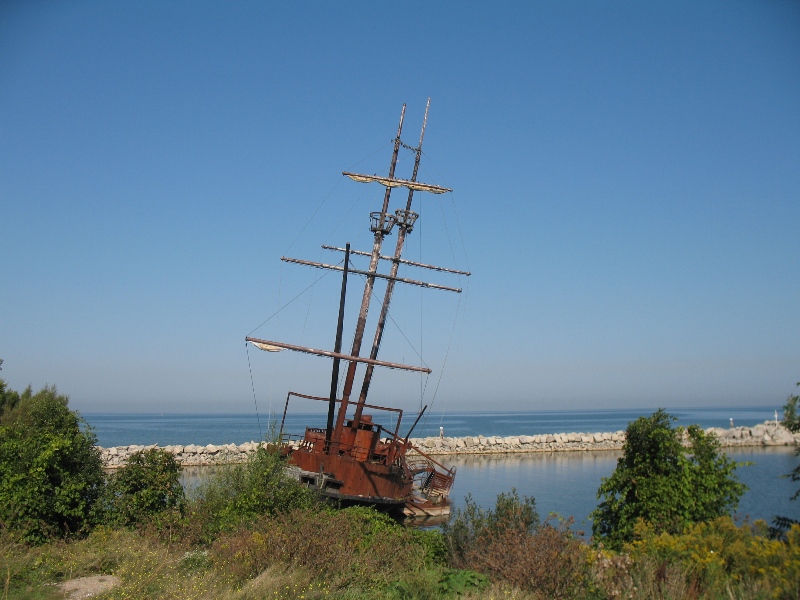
x: 50, y: 471
x: 469, y: 526
x: 145, y: 487
x: 510, y: 544
x: 551, y: 561
x: 237, y: 493
x: 461, y: 581
x: 662, y: 482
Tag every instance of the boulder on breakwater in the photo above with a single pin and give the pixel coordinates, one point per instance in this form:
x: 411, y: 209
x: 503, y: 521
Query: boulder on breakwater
x: 763, y: 434
x: 187, y: 456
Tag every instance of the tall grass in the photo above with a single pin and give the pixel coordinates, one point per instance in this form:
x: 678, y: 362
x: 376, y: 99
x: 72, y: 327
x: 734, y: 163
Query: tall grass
x: 249, y: 532
x: 237, y: 493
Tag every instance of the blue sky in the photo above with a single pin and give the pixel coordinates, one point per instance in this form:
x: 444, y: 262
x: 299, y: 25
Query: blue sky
x: 627, y: 195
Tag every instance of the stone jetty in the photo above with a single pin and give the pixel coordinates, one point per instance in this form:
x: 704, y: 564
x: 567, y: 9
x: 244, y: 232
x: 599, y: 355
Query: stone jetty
x: 764, y: 434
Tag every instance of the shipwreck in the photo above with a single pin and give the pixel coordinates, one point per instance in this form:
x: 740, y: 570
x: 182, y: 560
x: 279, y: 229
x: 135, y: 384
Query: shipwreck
x: 356, y: 458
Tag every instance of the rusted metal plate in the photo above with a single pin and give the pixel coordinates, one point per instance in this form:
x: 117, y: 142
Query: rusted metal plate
x: 359, y: 478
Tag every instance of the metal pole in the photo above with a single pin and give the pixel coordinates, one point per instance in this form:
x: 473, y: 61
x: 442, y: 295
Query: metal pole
x: 362, y: 314
x: 337, y: 348
x: 419, y: 416
x: 387, y: 298
x: 283, y: 420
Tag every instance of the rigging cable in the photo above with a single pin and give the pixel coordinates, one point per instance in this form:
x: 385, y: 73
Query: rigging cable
x: 389, y: 316
x: 441, y: 371
x: 343, y: 218
x: 311, y: 218
x: 327, y: 197
x: 458, y: 308
x: 252, y: 385
x: 438, y: 176
x: 389, y: 143
x: 312, y: 284
x: 423, y: 382
x: 455, y: 321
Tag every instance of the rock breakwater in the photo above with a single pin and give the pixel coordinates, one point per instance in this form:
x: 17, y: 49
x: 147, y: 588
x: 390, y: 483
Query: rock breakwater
x: 764, y: 434
x: 187, y: 456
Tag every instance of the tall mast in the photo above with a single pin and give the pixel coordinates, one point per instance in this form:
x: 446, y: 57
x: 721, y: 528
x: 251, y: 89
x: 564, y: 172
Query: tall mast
x: 405, y: 222
x: 382, y: 224
x: 337, y: 348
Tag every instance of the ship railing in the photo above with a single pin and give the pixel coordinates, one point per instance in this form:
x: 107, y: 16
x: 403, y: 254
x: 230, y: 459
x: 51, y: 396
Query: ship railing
x: 436, y: 479
x: 398, y: 411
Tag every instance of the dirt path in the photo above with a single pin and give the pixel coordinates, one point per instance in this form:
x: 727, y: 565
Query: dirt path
x: 86, y: 587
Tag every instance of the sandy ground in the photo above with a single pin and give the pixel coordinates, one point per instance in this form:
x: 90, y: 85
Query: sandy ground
x: 86, y: 587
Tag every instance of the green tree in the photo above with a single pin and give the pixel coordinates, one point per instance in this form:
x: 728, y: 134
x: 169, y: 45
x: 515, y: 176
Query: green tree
x: 791, y: 420
x: 50, y: 470
x: 791, y: 413
x: 147, y: 486
x: 663, y: 482
x: 8, y: 398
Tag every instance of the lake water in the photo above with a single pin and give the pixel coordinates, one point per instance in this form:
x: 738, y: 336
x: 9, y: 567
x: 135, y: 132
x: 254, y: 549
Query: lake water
x: 566, y: 482
x: 202, y: 429
x: 562, y: 482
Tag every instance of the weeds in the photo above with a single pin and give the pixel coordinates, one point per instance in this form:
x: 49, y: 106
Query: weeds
x: 250, y: 533
x: 354, y: 546
x: 237, y: 493
x: 717, y: 558
x: 510, y: 544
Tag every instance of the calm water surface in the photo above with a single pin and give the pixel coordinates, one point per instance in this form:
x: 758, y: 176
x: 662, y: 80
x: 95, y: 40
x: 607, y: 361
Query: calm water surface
x: 202, y: 429
x: 566, y: 482
x: 562, y: 482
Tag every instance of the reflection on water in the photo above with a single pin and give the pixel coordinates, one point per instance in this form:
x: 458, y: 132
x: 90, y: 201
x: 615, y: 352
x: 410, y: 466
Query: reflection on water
x: 193, y: 476
x: 566, y: 482
x: 562, y: 482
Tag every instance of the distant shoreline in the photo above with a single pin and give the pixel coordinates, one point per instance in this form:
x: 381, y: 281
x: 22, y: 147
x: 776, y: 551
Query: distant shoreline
x: 764, y: 434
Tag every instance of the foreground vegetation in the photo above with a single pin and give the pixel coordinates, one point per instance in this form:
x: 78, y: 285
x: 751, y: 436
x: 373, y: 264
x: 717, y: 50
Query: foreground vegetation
x: 249, y: 532
x: 358, y: 553
x: 667, y: 477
